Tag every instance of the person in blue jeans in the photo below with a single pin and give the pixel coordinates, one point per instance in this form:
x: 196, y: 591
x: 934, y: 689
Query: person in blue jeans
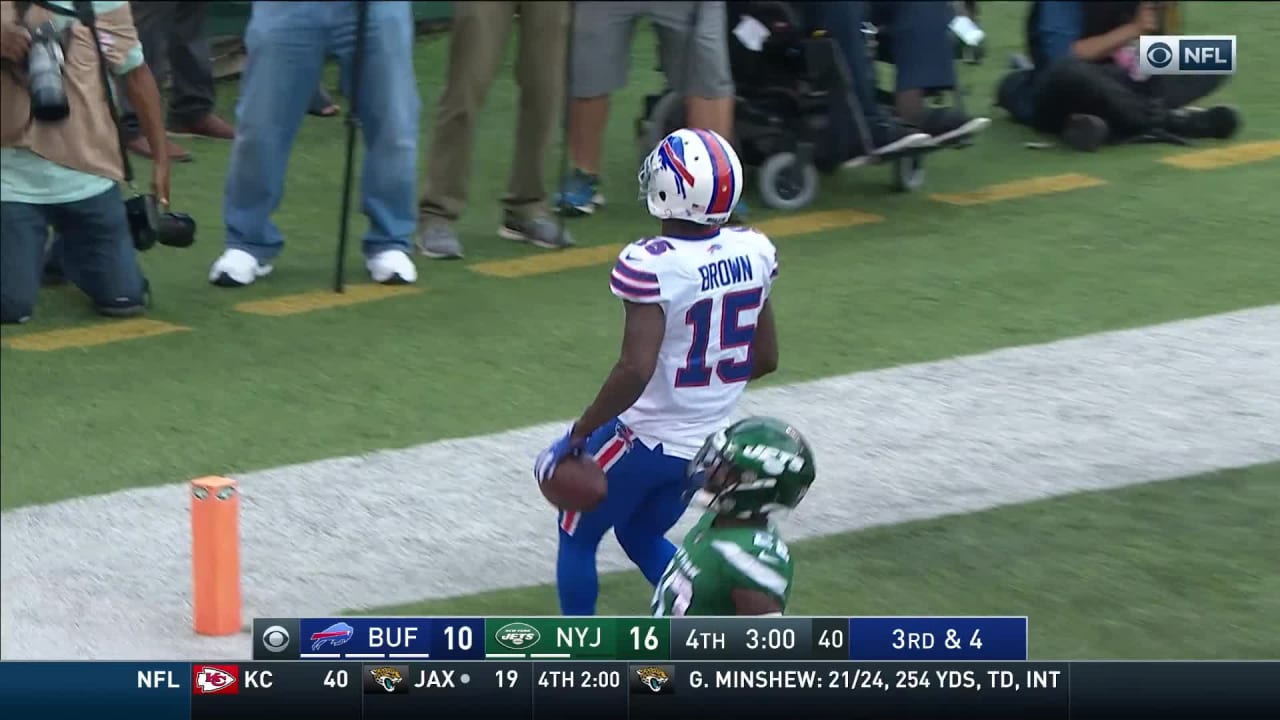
x: 64, y: 174
x: 922, y: 49
x: 842, y: 21
x: 100, y: 261
x: 287, y: 45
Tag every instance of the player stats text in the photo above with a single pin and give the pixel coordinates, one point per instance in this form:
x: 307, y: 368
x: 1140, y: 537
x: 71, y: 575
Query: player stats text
x: 672, y: 690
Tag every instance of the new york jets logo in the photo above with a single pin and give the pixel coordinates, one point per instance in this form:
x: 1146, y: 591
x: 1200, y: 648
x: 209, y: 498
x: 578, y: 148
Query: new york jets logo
x: 772, y: 460
x: 517, y: 636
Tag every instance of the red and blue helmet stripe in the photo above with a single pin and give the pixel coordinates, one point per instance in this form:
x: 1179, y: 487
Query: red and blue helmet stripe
x: 671, y: 155
x: 725, y: 185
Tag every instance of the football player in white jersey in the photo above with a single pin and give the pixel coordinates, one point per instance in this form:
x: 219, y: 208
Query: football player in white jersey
x: 698, y: 328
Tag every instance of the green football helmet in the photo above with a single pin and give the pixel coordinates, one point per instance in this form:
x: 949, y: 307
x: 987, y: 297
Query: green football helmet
x: 754, y: 467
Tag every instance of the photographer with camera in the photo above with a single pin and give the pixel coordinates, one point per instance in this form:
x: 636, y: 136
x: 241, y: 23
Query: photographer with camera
x: 61, y: 160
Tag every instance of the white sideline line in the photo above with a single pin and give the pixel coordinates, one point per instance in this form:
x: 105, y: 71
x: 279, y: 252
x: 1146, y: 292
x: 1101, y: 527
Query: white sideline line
x: 893, y: 445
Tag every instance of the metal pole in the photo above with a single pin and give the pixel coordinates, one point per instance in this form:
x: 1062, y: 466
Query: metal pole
x: 353, y: 124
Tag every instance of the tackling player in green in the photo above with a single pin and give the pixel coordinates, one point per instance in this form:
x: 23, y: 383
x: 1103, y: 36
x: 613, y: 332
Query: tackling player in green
x: 733, y: 562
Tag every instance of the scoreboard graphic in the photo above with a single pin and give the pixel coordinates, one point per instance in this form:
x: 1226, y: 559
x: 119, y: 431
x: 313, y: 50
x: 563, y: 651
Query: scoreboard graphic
x: 645, y: 638
x: 779, y: 668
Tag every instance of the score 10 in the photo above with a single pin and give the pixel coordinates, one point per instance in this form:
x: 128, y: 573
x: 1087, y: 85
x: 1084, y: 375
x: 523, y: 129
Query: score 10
x: 392, y: 638
x: 938, y: 638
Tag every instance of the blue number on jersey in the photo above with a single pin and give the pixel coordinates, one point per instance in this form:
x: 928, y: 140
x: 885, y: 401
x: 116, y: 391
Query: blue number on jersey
x: 733, y: 333
x: 655, y: 246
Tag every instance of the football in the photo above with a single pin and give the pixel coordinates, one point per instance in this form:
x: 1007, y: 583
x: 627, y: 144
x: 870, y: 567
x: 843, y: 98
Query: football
x: 577, y: 485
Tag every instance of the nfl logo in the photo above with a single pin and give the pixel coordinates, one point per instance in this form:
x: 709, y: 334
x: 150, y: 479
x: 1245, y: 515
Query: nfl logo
x: 1187, y: 54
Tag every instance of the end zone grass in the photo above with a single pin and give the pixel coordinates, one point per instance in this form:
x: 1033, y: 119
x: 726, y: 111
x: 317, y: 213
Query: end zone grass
x: 1156, y: 243
x: 1179, y: 569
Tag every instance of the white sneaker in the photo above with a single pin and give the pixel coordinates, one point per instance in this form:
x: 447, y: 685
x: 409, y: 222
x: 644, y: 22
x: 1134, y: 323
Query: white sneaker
x: 237, y: 268
x: 392, y: 267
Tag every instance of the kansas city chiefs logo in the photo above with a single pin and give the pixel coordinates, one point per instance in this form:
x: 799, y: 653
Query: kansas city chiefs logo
x: 213, y: 679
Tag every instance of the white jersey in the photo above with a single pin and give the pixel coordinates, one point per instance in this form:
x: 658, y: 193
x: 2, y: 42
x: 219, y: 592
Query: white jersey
x: 712, y: 291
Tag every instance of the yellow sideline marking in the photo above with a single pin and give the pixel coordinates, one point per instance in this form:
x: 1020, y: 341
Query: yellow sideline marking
x: 324, y: 299
x: 815, y: 222
x: 587, y: 257
x: 97, y: 334
x: 548, y: 262
x: 1046, y: 185
x: 1225, y: 156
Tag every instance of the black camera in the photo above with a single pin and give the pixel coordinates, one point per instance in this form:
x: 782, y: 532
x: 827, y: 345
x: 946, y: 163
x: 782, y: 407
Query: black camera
x: 149, y: 225
x: 44, y: 75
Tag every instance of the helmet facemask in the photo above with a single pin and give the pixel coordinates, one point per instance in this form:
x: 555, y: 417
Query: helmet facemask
x: 645, y: 178
x: 754, y: 468
x: 717, y: 477
x: 705, y: 465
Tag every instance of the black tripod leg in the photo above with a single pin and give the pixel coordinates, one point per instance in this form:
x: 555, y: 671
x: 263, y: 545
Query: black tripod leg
x: 353, y: 124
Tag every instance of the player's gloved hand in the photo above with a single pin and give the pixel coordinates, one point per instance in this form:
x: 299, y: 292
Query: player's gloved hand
x: 548, y: 459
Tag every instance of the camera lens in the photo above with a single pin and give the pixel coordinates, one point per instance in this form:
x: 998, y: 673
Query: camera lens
x: 176, y: 230
x: 44, y: 77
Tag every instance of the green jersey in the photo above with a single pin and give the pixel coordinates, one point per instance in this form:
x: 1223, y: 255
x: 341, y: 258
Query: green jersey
x: 715, y: 560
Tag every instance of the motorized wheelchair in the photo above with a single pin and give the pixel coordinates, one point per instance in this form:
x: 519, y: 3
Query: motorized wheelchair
x: 969, y: 47
x: 782, y: 120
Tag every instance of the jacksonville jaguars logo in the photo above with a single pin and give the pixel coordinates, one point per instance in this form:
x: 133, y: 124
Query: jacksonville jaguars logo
x: 387, y: 678
x: 653, y: 679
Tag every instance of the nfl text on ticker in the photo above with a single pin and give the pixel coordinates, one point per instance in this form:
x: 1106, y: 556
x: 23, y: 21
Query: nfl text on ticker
x: 640, y: 690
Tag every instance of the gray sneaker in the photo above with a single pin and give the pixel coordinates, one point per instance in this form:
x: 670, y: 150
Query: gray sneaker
x: 438, y: 240
x: 538, y: 230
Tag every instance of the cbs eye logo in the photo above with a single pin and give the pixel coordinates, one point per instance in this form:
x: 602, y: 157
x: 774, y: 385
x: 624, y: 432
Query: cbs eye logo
x: 275, y: 639
x: 1159, y: 55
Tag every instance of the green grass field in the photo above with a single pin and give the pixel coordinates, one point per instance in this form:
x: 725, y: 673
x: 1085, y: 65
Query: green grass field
x: 1134, y: 573
x: 1182, y: 568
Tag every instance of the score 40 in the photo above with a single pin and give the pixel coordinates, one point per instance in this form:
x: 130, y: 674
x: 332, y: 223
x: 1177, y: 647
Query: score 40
x: 924, y: 640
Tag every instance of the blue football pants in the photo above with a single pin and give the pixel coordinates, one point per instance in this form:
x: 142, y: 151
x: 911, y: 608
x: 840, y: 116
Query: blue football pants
x: 648, y: 492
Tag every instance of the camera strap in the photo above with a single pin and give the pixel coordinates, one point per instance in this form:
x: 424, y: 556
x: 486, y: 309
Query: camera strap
x: 84, y: 11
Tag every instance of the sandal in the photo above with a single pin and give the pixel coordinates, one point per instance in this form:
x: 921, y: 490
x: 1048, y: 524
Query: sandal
x: 322, y: 105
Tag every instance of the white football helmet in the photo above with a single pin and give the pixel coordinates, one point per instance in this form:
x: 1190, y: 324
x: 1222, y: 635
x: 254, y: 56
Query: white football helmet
x: 694, y: 175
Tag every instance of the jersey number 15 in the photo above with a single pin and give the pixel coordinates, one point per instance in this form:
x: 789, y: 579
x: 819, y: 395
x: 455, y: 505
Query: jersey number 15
x: 733, y: 334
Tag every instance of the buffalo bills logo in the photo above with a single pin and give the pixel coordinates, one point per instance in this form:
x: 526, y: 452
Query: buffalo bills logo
x: 671, y: 156
x: 336, y: 634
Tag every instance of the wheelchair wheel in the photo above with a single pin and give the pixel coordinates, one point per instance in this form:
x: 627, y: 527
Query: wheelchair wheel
x: 785, y: 184
x: 908, y: 173
x: 667, y: 115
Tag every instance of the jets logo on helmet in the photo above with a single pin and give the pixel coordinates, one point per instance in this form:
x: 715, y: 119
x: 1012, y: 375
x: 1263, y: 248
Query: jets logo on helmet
x: 774, y: 460
x: 754, y: 467
x: 693, y: 175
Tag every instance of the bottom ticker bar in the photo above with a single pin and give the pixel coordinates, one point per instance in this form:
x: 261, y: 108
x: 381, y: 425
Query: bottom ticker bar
x: 520, y: 690
x: 886, y: 691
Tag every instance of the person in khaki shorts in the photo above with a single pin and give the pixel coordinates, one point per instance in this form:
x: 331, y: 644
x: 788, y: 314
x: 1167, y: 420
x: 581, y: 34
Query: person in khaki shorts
x: 477, y: 45
x: 693, y: 45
